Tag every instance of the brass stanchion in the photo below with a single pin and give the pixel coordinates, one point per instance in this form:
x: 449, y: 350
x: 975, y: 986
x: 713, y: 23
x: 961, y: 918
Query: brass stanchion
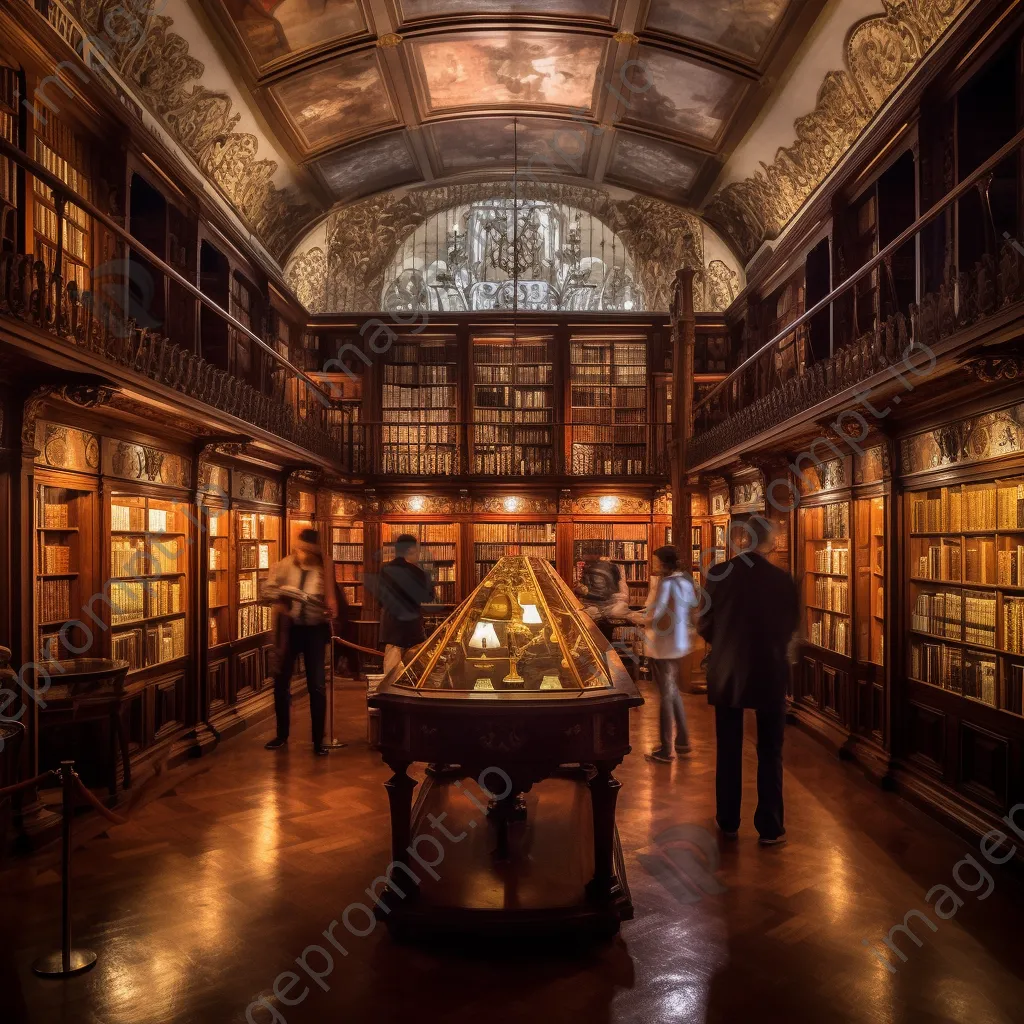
x: 332, y: 743
x: 66, y: 961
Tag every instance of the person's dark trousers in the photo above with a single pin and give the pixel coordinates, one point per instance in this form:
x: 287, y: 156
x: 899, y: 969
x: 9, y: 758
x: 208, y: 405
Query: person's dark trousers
x: 666, y: 675
x: 771, y: 728
x: 311, y: 643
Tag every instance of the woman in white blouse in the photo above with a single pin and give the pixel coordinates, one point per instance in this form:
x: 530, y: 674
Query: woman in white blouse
x: 667, y: 618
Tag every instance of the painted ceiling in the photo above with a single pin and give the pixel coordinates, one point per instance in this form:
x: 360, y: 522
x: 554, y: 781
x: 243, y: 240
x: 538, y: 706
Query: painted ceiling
x: 293, y: 108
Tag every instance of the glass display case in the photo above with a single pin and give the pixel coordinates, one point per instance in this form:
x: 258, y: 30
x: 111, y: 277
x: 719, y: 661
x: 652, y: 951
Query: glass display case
x: 518, y: 632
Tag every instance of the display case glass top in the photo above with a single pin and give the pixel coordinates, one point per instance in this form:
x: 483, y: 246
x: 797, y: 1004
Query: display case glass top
x: 521, y: 631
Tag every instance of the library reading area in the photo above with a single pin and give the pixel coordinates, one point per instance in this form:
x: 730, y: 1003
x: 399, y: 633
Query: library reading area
x: 512, y: 509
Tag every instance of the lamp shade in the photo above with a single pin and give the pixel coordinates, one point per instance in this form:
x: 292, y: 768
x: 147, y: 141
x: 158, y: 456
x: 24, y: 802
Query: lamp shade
x: 484, y: 637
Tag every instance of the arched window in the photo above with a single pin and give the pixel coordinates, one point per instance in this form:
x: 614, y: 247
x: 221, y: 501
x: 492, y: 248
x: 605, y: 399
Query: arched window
x: 506, y: 253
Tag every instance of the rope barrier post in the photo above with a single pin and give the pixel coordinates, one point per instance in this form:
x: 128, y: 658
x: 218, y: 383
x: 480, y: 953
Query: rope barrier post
x: 66, y: 961
x: 332, y: 743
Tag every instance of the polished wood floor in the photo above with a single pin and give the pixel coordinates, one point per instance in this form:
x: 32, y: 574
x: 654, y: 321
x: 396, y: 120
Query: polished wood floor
x: 210, y: 892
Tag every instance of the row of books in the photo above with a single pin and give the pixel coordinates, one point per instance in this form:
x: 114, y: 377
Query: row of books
x: 831, y: 632
x: 421, y: 371
x: 1013, y: 625
x: 444, y: 574
x: 942, y: 562
x: 511, y: 433
x: 514, y: 374
x: 494, y: 552
x: 504, y: 354
x: 980, y: 619
x: 54, y: 515
x: 607, y: 417
x: 1010, y: 507
x: 347, y: 552
x: 949, y: 667
x: 597, y: 463
x: 149, y: 645
x: 248, y: 587
x: 55, y: 558
x: 936, y: 512
x: 348, y: 572
x: 834, y: 560
x: 616, y: 550
x: 53, y: 600
x: 508, y: 397
x: 132, y: 601
x: 940, y: 614
x: 351, y: 595
x: 132, y: 556
x: 417, y: 433
x: 76, y: 242
x: 443, y: 463
x: 257, y: 526
x: 428, y: 533
x: 505, y: 533
x: 444, y: 592
x: 254, y: 556
x: 623, y: 398
x: 423, y: 397
x: 611, y: 531
x: 620, y: 353
x: 832, y: 594
x: 634, y: 572
x: 518, y: 462
x: 488, y: 416
x: 216, y: 593
x: 1010, y: 567
x: 253, y: 619
x: 980, y: 561
x: 136, y: 518
x: 218, y: 558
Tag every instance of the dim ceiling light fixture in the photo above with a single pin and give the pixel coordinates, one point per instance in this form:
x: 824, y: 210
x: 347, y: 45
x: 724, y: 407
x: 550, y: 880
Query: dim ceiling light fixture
x: 417, y: 503
x: 609, y: 503
x: 511, y: 503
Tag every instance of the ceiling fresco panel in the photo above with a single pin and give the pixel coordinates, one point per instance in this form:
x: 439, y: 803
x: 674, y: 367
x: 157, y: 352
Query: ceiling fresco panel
x: 545, y: 147
x: 422, y: 10
x: 740, y: 26
x: 336, y: 101
x: 366, y: 167
x: 505, y: 68
x: 654, y: 167
x: 676, y: 95
x: 271, y: 29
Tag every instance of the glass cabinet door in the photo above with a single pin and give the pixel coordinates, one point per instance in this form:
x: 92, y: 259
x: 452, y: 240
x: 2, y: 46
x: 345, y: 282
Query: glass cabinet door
x: 869, y: 523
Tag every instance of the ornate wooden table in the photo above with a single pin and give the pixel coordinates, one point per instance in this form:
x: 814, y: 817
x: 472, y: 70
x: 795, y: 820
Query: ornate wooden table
x: 520, y: 691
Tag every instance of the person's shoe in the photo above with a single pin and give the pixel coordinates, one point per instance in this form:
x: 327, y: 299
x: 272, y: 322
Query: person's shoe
x: 779, y: 840
x: 661, y: 756
x: 683, y: 749
x: 321, y: 751
x: 275, y: 744
x: 726, y: 833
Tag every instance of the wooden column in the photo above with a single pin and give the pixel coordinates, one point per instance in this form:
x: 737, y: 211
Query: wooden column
x: 683, y: 338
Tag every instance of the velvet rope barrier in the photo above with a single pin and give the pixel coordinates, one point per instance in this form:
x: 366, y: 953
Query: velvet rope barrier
x: 27, y: 784
x: 96, y: 804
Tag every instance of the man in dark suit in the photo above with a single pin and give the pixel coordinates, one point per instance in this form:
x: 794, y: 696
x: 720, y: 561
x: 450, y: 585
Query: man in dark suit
x: 403, y: 589
x: 750, y: 614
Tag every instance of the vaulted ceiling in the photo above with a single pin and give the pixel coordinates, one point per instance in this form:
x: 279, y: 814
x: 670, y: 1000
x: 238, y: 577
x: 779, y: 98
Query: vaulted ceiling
x: 650, y: 95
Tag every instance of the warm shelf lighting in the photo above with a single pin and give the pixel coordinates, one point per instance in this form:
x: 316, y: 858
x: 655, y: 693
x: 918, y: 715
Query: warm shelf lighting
x: 417, y: 503
x: 608, y: 503
x: 511, y: 503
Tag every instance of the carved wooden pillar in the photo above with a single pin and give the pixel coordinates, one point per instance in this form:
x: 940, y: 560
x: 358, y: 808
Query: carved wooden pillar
x: 683, y: 338
x: 400, y: 789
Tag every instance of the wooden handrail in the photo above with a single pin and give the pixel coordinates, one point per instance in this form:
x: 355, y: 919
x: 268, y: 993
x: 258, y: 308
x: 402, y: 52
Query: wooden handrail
x: 58, y: 187
x: 898, y: 242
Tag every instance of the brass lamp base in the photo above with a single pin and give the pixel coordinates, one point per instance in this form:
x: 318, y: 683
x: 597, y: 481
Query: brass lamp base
x: 52, y: 964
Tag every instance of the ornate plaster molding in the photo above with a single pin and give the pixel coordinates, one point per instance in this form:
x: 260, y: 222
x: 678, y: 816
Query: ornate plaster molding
x: 167, y: 80
x: 880, y: 52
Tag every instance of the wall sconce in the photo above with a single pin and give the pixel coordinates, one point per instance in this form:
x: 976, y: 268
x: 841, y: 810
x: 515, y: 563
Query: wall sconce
x: 511, y: 503
x: 609, y: 503
x: 417, y: 503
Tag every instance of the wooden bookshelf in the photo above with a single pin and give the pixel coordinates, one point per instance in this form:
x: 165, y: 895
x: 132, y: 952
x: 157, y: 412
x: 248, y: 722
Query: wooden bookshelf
x: 513, y: 406
x: 966, y: 559
x: 492, y: 541
x: 625, y: 544
x: 148, y: 589
x: 65, y: 156
x: 439, y: 557
x: 61, y: 556
x: 825, y: 570
x: 869, y: 571
x: 218, y: 577
x: 608, y: 407
x: 347, y: 553
x: 257, y: 548
x: 419, y: 408
x: 9, y: 100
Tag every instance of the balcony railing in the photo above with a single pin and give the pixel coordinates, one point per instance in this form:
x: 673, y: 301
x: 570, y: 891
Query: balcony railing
x: 431, y: 449
x: 781, y: 379
x: 274, y: 395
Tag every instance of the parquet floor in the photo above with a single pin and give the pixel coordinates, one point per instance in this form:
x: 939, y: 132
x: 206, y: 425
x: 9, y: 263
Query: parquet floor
x: 209, y: 893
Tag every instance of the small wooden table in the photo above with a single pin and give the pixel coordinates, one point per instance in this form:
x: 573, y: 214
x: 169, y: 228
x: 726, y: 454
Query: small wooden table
x: 89, y: 690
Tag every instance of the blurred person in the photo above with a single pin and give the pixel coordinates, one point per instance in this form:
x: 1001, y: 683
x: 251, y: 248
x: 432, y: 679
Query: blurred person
x: 603, y: 592
x: 751, y: 612
x: 403, y: 589
x: 305, y: 601
x: 667, y: 641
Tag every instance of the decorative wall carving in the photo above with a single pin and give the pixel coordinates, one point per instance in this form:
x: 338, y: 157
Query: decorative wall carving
x: 341, y: 506
x: 429, y: 504
x: 214, y: 479
x: 824, y: 476
x: 131, y: 461
x: 515, y: 505
x: 880, y: 53
x: 167, y: 80
x: 627, y: 505
x: 870, y: 468
x: 975, y: 439
x: 720, y: 501
x: 362, y: 240
x: 254, y: 487
x: 748, y: 492
x: 61, y: 447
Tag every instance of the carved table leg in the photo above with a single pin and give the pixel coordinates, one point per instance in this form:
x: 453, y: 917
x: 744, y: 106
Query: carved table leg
x: 400, y: 788
x: 604, y: 791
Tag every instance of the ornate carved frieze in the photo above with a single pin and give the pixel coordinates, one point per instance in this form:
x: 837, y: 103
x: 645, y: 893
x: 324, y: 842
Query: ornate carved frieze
x: 611, y: 505
x: 880, y: 52
x: 870, y: 468
x: 255, y: 487
x: 514, y: 504
x: 424, y: 504
x: 340, y: 506
x: 62, y: 447
x: 975, y: 439
x: 214, y: 479
x: 131, y: 461
x: 748, y: 493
